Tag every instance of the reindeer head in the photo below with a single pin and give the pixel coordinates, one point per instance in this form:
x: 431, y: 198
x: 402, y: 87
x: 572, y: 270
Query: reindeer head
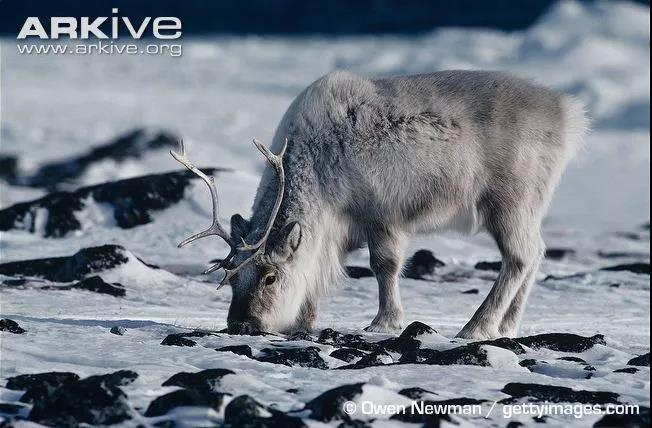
x: 259, y: 273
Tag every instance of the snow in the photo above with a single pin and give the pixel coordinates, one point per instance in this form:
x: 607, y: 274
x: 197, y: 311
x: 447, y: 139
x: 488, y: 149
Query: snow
x: 225, y: 91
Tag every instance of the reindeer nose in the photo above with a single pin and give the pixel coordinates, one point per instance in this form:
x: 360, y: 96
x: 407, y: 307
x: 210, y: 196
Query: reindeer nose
x: 242, y: 328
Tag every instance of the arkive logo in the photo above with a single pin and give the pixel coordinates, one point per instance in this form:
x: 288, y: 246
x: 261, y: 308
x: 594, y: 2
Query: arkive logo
x: 103, y: 27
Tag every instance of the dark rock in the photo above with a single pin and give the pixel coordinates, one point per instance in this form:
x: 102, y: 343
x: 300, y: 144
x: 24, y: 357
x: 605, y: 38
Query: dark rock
x: 205, y: 380
x: 562, y: 342
x: 641, y: 361
x: 177, y: 340
x: 331, y: 337
x: 85, y: 262
x: 623, y: 255
x: 96, y: 285
x: 557, y: 394
x: 580, y: 276
x: 40, y: 385
x: 416, y: 329
x: 414, y: 415
x: 376, y: 358
x: 11, y: 326
x: 237, y: 349
x: 514, y: 424
x: 558, y: 253
x: 640, y: 268
x: 303, y: 357
x: 528, y: 363
x: 630, y: 370
x: 629, y: 420
x: 400, y: 344
x: 119, y: 378
x: 422, y: 263
x: 491, y: 266
x: 14, y: 282
x: 347, y: 354
x: 181, y: 339
x: 505, y: 343
x: 328, y: 406
x: 301, y: 335
x: 407, y: 341
x: 184, y: 397
x: 96, y: 400
x: 573, y: 359
x: 358, y: 272
x: 471, y: 291
x: 131, y: 145
x: 471, y: 354
x: 118, y: 330
x: 354, y: 423
x: 133, y: 201
x: 415, y: 393
x: 8, y: 168
x: 245, y: 412
x: 11, y: 408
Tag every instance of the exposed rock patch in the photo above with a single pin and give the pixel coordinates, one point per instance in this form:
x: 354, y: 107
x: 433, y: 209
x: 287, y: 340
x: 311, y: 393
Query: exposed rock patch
x: 471, y: 354
x: 131, y: 145
x: 640, y: 268
x: 562, y: 342
x: 331, y: 337
x: 118, y: 330
x: 86, y: 261
x: 328, y: 406
x: 244, y: 411
x: 237, y: 349
x: 556, y: 394
x: 132, y: 200
x: 357, y: 272
x: 642, y: 361
x: 347, y: 354
x: 185, y: 397
x: 558, y: 253
x: 181, y: 339
x: 94, y: 284
x: 303, y: 357
x: 205, y: 380
x: 422, y: 263
x: 11, y: 326
x: 376, y: 358
x: 96, y: 400
x: 489, y: 266
x: 40, y: 385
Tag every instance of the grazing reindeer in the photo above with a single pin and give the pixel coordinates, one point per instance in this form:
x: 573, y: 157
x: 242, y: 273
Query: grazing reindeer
x: 364, y: 161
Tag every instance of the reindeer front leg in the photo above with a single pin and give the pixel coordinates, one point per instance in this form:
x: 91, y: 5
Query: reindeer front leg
x: 386, y: 250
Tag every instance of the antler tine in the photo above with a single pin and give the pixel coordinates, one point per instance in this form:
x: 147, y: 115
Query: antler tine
x: 222, y: 263
x: 215, y: 228
x: 277, y: 162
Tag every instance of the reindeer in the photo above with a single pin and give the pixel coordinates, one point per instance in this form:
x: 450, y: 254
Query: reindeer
x: 372, y: 161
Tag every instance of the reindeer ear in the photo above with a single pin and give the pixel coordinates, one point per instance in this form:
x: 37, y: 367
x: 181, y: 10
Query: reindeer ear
x: 288, y: 242
x: 239, y: 227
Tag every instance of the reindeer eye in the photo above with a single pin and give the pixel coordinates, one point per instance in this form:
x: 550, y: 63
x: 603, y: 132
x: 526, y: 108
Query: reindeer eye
x: 270, y: 279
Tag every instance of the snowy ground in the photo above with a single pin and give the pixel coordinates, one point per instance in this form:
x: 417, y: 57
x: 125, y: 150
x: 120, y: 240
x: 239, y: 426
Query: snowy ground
x: 225, y: 91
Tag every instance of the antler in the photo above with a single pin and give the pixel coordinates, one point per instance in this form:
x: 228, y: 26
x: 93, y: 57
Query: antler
x: 259, y: 247
x: 216, y: 228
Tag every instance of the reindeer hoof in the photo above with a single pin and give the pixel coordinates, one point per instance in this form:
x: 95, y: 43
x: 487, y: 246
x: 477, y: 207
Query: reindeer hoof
x: 385, y: 326
x: 478, y: 334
